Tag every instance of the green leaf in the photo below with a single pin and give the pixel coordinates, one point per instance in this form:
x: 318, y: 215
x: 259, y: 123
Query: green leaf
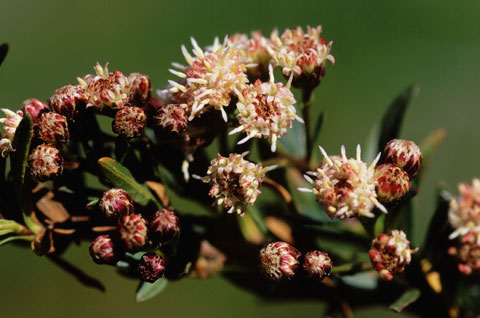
x: 3, y: 52
x: 390, y: 125
x: 407, y: 298
x: 429, y: 147
x: 438, y: 222
x: 14, y: 238
x: 147, y: 291
x: 257, y: 217
x: 363, y: 280
x: 117, y: 175
x: 294, y: 141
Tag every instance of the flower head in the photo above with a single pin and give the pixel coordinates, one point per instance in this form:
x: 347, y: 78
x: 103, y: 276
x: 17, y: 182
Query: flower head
x: 390, y: 254
x: 404, y: 154
x: 129, y: 121
x: 345, y: 186
x: 172, y: 117
x: 302, y: 53
x: 151, y: 267
x: 164, y: 225
x: 141, y: 89
x: 279, y: 260
x: 266, y: 110
x: 209, y: 79
x: 392, y: 183
x: 10, y: 122
x: 464, y: 212
x: 68, y: 99
x: 468, y: 253
x: 53, y: 128
x: 45, y: 163
x: 102, y: 251
x: 34, y: 107
x: 234, y: 181
x: 317, y: 264
x: 116, y: 203
x: 106, y: 89
x: 133, y: 231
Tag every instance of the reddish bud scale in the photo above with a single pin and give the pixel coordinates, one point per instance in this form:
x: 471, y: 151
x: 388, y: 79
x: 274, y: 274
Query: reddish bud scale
x: 53, y: 128
x: 404, y: 154
x: 164, y: 226
x: 279, y: 260
x: 133, y: 231
x: 129, y: 121
x: 317, y: 264
x: 102, y: 251
x: 116, y: 203
x: 45, y: 163
x: 151, y: 267
x: 67, y: 100
x: 392, y: 183
x: 34, y: 107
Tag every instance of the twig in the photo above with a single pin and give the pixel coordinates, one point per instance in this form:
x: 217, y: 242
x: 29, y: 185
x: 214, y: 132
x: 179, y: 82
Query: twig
x: 307, y: 94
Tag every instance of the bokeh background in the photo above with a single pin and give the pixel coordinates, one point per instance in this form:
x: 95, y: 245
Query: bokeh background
x: 380, y: 47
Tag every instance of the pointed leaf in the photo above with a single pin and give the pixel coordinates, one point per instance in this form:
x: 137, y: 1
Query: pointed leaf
x: 294, y: 141
x: 407, y: 298
x: 117, y: 175
x: 147, y: 291
x: 392, y: 120
x: 363, y: 280
x: 429, y: 147
x: 3, y: 52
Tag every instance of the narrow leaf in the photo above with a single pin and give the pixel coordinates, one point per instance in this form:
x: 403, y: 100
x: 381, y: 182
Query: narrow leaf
x: 3, y: 52
x: 249, y: 229
x: 147, y: 291
x: 117, y: 175
x: 18, y: 159
x: 13, y: 238
x: 429, y: 147
x: 408, y: 297
x: 393, y: 118
x: 294, y: 141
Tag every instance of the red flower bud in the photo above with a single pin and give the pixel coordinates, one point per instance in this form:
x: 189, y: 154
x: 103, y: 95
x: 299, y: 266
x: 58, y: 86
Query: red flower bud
x: 151, y: 267
x: 101, y: 250
x: 116, y: 203
x: 317, y: 264
x: 45, y: 163
x: 392, y: 183
x: 34, y: 107
x: 133, y: 231
x: 53, y: 128
x: 164, y: 225
x: 404, y: 154
x: 129, y: 121
x: 279, y: 260
x: 66, y: 100
x: 140, y: 89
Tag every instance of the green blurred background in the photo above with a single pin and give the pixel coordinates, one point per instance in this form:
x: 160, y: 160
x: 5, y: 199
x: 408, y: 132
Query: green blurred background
x: 380, y: 48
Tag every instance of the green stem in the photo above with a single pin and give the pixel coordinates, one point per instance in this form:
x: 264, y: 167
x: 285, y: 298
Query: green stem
x: 307, y: 94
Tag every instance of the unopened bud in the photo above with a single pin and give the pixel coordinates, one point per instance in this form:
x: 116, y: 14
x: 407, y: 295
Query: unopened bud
x: 172, y: 117
x: 140, y: 89
x: 317, y: 264
x: 34, y: 107
x: 129, y: 121
x: 151, y: 267
x: 392, y: 183
x: 67, y: 100
x: 164, y: 225
x: 404, y: 154
x: 279, y: 260
x: 133, y: 231
x: 45, y: 163
x: 116, y: 203
x: 101, y: 250
x: 53, y: 128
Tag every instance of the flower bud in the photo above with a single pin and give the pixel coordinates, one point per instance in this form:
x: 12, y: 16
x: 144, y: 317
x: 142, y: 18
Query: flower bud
x: 101, y: 250
x: 67, y: 100
x: 133, y: 231
x: 390, y: 254
x: 279, y: 260
x: 392, y: 183
x: 151, y: 267
x: 53, y: 128
x: 45, y: 163
x: 129, y: 121
x: 171, y: 117
x: 140, y: 89
x: 404, y: 154
x: 468, y: 253
x: 164, y: 225
x: 116, y: 203
x: 34, y: 107
x: 317, y: 264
